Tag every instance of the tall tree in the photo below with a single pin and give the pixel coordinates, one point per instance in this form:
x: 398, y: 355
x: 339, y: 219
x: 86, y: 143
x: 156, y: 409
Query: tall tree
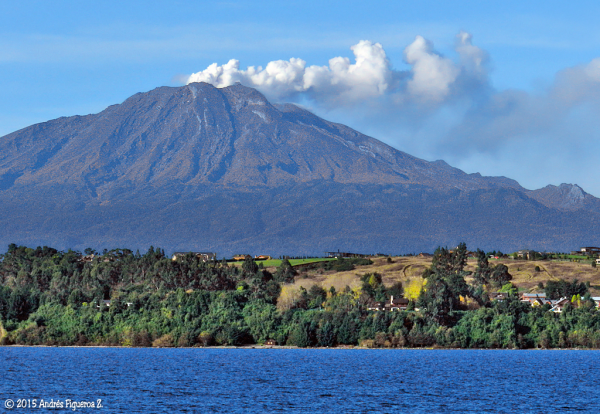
x: 445, y: 285
x: 285, y: 272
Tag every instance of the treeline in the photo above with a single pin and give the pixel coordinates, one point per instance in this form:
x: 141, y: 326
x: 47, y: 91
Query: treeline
x: 58, y: 298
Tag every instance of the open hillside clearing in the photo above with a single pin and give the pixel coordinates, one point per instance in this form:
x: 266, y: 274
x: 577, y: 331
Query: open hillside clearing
x: 408, y: 270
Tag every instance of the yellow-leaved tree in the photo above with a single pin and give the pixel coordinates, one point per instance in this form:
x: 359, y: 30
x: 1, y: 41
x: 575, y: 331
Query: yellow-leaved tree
x: 287, y: 297
x: 413, y: 288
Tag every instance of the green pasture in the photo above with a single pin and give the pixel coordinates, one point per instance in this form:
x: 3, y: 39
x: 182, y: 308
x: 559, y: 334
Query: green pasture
x: 571, y: 256
x: 293, y: 262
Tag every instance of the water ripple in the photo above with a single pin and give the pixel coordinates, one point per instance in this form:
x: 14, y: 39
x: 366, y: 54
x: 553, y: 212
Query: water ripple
x: 305, y: 381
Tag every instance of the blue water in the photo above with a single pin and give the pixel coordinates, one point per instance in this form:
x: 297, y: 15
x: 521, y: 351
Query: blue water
x: 139, y: 380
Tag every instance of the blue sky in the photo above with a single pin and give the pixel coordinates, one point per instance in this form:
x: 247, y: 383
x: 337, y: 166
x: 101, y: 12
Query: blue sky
x: 518, y: 96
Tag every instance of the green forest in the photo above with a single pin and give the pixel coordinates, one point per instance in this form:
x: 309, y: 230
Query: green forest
x: 51, y: 297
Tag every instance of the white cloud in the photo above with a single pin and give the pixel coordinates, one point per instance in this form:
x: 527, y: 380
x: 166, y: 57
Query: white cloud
x: 473, y: 59
x: 578, y: 84
x: 432, y: 74
x: 431, y: 80
x: 443, y: 107
x: 342, y: 80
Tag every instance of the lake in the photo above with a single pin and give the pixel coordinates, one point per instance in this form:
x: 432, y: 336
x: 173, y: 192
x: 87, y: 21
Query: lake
x: 146, y: 380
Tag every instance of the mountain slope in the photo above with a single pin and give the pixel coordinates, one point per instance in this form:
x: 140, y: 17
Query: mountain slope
x: 197, y: 167
x: 200, y: 134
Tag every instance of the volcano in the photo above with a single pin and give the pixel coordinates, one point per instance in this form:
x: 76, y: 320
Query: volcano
x: 202, y: 168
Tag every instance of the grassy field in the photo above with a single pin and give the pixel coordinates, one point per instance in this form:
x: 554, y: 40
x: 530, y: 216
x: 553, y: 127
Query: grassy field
x: 294, y: 262
x: 526, y: 277
x: 408, y: 270
x: 405, y: 269
x: 572, y: 256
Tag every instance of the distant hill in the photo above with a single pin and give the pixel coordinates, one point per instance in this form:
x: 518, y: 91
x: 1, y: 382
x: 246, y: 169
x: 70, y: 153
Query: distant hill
x: 201, y: 168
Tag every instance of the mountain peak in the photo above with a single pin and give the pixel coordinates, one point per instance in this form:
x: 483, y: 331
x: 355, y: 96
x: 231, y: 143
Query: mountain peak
x: 202, y: 168
x: 238, y: 94
x: 573, y: 190
x: 563, y: 197
x: 198, y: 134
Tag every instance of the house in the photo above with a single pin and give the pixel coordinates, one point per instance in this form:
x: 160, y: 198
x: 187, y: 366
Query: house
x: 560, y: 304
x: 598, y: 261
x: 270, y: 342
x: 262, y: 257
x: 589, y: 251
x: 539, y: 298
x: 530, y: 297
x: 526, y: 254
x: 398, y: 304
x: 541, y: 302
x: 205, y: 256
x: 239, y: 257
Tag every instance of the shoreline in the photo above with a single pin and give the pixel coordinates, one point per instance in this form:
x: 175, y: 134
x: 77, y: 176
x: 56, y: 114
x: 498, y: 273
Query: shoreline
x: 291, y: 347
